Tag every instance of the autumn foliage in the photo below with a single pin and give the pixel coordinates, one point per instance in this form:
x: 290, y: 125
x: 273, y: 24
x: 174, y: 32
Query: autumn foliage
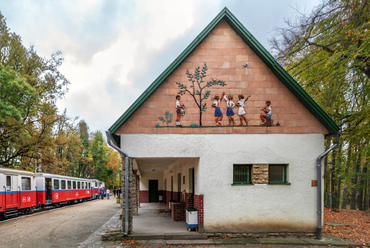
x: 354, y: 225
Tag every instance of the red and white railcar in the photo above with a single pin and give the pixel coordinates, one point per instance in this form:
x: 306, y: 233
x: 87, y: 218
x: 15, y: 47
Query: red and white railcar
x: 56, y: 189
x: 96, y: 186
x: 17, y: 192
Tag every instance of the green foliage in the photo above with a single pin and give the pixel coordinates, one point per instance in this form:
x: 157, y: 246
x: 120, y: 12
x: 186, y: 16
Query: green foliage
x: 167, y: 117
x: 328, y: 53
x: 197, y: 86
x: 32, y: 133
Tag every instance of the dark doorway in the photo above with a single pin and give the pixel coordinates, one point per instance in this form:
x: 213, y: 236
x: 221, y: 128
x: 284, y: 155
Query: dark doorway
x: 153, y: 190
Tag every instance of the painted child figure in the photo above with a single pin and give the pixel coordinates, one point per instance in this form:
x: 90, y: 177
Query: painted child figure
x: 179, y: 108
x: 230, y: 105
x: 266, y: 115
x: 218, y: 114
x: 241, y: 111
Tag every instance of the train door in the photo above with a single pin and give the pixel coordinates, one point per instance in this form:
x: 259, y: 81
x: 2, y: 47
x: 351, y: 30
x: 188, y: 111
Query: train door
x: 48, y: 189
x: 12, y: 191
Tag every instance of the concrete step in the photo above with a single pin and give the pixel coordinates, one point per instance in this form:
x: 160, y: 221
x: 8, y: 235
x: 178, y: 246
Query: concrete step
x: 118, y: 236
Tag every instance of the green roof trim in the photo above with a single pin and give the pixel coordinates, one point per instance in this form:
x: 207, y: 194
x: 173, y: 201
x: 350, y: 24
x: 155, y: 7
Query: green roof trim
x: 261, y: 52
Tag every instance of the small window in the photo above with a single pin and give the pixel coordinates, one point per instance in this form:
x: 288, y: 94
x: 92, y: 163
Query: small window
x: 74, y: 184
x: 63, y: 184
x: 277, y: 174
x: 8, y: 183
x: 69, y: 184
x: 26, y: 183
x: 78, y: 185
x: 56, y: 184
x: 89, y: 186
x: 83, y: 185
x: 242, y: 174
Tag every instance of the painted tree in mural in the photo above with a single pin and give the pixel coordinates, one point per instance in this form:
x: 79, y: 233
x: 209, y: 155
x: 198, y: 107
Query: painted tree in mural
x: 197, y: 86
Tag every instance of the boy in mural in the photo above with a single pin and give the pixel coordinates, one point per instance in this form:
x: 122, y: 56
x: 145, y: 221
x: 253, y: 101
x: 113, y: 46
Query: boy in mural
x: 230, y: 105
x: 266, y: 115
x: 180, y: 108
x: 216, y: 104
x: 241, y: 111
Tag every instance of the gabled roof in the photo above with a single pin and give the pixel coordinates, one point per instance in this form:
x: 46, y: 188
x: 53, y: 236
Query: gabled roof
x: 261, y: 52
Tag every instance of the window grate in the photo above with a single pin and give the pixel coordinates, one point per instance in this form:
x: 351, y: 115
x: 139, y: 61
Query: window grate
x: 242, y: 174
x: 277, y: 174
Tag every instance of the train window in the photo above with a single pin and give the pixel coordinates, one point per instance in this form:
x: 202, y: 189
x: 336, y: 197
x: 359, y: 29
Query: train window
x: 74, y: 184
x: 56, y: 184
x: 83, y: 185
x: 69, y: 183
x: 26, y: 183
x: 89, y: 186
x: 78, y: 185
x: 8, y: 183
x: 63, y: 184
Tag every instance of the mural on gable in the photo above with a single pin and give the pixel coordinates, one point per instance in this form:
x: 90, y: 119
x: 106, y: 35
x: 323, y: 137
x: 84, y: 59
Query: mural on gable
x: 196, y: 92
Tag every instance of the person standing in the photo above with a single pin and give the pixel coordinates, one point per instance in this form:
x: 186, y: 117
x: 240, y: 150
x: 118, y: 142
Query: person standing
x: 102, y: 193
x: 114, y: 192
x: 108, y: 191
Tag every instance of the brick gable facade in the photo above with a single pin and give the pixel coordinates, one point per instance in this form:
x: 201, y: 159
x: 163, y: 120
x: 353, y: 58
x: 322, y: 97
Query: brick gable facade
x: 225, y: 53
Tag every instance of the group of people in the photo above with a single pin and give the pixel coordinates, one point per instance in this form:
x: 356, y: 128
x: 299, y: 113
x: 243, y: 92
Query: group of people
x: 265, y: 115
x: 116, y: 192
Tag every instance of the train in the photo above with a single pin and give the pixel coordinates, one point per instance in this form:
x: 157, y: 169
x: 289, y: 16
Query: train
x: 24, y: 191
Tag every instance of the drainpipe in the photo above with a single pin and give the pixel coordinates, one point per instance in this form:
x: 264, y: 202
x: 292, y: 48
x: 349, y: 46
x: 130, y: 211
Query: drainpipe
x: 319, y: 187
x: 126, y: 179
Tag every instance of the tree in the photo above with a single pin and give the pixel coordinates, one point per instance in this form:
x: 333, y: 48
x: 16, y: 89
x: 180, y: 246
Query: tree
x: 328, y: 53
x: 197, y: 81
x: 30, y: 85
x: 100, y: 156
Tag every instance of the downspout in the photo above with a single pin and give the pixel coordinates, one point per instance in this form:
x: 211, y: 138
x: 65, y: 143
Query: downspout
x: 126, y: 179
x: 319, y: 187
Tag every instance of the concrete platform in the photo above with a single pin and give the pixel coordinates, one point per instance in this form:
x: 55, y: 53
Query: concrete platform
x: 156, y: 218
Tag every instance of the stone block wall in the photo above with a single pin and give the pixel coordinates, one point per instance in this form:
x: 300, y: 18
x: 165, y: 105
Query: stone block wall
x: 260, y: 174
x: 132, y: 195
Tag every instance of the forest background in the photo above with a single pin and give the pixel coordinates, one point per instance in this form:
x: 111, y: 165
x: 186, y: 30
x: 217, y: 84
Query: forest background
x: 327, y: 51
x: 34, y: 136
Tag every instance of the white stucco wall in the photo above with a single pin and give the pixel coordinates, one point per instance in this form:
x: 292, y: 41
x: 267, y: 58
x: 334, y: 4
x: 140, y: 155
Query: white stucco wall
x: 253, y: 208
x: 144, y: 181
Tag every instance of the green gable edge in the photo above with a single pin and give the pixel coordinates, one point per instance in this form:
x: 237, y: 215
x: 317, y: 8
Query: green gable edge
x: 261, y: 52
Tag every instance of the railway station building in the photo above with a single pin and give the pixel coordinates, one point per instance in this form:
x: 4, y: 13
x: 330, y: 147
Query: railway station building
x: 254, y: 178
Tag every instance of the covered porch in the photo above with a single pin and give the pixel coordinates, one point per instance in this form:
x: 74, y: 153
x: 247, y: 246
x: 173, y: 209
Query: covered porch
x: 164, y: 189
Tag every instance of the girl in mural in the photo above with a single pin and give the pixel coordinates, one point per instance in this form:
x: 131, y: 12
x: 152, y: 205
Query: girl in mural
x: 180, y: 108
x: 218, y: 114
x: 266, y: 115
x: 230, y: 105
x: 241, y: 111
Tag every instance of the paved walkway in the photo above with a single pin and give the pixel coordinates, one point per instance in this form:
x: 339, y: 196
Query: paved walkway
x: 153, y: 227
x: 156, y: 218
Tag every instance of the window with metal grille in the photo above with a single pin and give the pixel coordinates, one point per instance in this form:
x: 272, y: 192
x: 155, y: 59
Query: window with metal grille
x: 277, y: 173
x: 26, y: 183
x: 242, y: 174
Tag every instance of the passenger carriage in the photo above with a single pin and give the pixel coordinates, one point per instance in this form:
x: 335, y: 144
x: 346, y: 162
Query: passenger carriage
x: 57, y: 189
x: 96, y: 186
x: 17, y: 192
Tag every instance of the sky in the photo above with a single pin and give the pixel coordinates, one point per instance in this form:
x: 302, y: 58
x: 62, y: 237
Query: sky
x: 114, y: 49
